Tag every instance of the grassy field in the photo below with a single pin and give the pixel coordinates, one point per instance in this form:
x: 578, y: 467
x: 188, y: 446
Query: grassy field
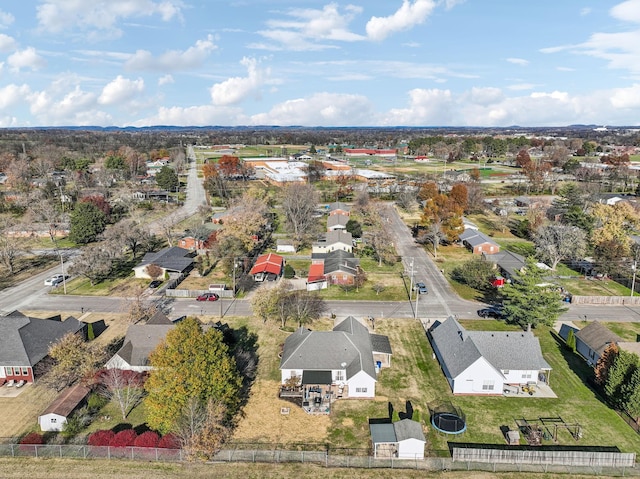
x: 102, y: 469
x: 25, y: 268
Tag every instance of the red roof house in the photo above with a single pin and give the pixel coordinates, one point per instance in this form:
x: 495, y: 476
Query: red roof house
x: 268, y: 264
x: 316, y: 272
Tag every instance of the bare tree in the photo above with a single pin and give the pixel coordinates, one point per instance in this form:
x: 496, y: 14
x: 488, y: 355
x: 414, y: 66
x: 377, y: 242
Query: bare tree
x: 129, y: 234
x: 94, y: 263
x: 202, y: 428
x: 406, y: 198
x: 433, y: 234
x: 10, y: 248
x: 125, y: 387
x: 557, y: 242
x: 136, y: 309
x: 298, y: 204
x: 302, y: 306
x: 378, y: 288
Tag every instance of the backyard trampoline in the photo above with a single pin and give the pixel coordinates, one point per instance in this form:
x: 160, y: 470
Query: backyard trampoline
x: 449, y: 423
x: 447, y: 418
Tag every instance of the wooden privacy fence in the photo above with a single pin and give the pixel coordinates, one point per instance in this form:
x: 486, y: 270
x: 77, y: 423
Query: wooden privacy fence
x: 555, y: 456
x: 607, y: 300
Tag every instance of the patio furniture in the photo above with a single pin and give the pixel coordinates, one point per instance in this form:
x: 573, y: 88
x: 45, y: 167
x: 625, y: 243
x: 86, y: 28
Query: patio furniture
x: 10, y: 383
x: 21, y: 383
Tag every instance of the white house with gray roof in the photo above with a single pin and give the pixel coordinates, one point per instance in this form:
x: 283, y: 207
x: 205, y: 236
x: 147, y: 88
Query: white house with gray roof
x: 484, y: 362
x: 348, y: 357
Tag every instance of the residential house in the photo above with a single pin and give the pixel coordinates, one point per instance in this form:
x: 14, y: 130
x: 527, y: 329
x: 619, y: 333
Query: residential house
x: 316, y: 279
x: 484, y: 362
x: 337, y: 363
x: 171, y: 260
x: 55, y: 416
x: 341, y: 267
x: 402, y: 439
x: 332, y: 241
x: 268, y: 266
x: 337, y: 222
x: 25, y: 341
x: 339, y: 208
x: 200, y: 240
x: 467, y: 224
x: 285, y: 246
x: 478, y: 242
x: 139, y: 341
x: 509, y: 264
x: 592, y: 340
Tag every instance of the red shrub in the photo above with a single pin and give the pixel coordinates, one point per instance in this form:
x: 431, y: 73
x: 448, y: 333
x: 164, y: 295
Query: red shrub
x: 101, y: 438
x: 147, y: 439
x: 169, y: 441
x: 32, y: 438
x: 124, y: 438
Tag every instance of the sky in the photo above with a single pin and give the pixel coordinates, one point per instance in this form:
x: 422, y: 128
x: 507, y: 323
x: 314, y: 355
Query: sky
x: 319, y: 63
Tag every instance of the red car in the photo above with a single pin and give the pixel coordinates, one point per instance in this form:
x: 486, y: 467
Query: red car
x: 208, y: 297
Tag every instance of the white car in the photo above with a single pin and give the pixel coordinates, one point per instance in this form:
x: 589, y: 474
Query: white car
x: 55, y: 280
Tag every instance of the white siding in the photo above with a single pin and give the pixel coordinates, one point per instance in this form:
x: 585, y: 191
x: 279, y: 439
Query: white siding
x: 478, y: 378
x: 362, y: 386
x: 517, y: 376
x: 116, y: 362
x: 2, y: 375
x: 288, y: 373
x: 411, y: 449
x: 51, y: 422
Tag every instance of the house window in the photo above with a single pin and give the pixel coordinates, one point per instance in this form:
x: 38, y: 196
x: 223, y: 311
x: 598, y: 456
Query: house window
x: 361, y: 390
x: 8, y: 371
x: 526, y: 375
x: 488, y: 385
x: 339, y: 375
x: 505, y: 372
x: 25, y: 371
x: 53, y: 420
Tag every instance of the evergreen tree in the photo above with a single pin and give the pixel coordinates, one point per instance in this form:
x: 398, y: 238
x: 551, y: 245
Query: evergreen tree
x: 571, y: 341
x: 528, y: 301
x: 190, y: 364
x: 86, y: 223
x: 631, y: 394
x: 620, y: 372
x: 167, y: 178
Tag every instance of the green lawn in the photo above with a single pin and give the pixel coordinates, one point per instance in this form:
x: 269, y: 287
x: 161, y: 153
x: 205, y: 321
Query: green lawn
x: 82, y: 286
x: 415, y: 376
x: 110, y: 417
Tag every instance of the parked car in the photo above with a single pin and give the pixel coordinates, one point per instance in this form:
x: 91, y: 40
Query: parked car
x: 208, y: 297
x: 493, y: 311
x: 155, y: 283
x: 54, y: 280
x: 421, y: 288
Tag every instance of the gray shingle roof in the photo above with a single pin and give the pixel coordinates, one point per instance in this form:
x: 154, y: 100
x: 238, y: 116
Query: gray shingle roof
x: 380, y: 344
x: 340, y: 260
x: 338, y: 205
x: 140, y: 340
x: 504, y: 350
x: 510, y: 263
x: 337, y: 236
x: 347, y: 347
x: 473, y: 238
x: 382, y: 433
x: 25, y: 341
x: 597, y: 337
x: 337, y: 220
x: 174, y: 259
x: 408, y: 429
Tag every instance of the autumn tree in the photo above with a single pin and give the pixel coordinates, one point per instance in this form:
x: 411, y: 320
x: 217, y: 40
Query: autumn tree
x: 74, y: 359
x: 247, y: 218
x: 428, y: 191
x: 557, y: 242
x: 601, y: 369
x: 154, y: 271
x: 202, y: 428
x: 614, y: 224
x: 459, y: 196
x: 135, y: 308
x: 124, y: 387
x: 191, y: 362
x: 299, y: 202
x: 229, y: 165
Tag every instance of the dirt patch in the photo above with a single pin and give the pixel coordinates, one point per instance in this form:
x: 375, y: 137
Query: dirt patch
x: 264, y: 421
x: 347, y: 422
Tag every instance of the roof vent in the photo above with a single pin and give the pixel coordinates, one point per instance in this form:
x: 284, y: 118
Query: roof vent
x: 343, y: 364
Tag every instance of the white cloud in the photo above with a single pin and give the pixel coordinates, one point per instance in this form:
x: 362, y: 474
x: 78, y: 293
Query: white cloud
x: 565, y: 69
x: 6, y: 19
x: 11, y: 95
x: 27, y: 58
x: 585, y: 11
x: 7, y: 43
x: 173, y: 60
x: 426, y: 107
x: 165, y: 80
x: 57, y: 16
x: 626, y: 97
x: 518, y: 61
x: 320, y: 109
x: 484, y: 96
x: 69, y: 107
x: 236, y: 89
x: 406, y: 17
x: 521, y: 86
x: 307, y: 29
x: 628, y: 11
x: 449, y: 4
x: 120, y: 90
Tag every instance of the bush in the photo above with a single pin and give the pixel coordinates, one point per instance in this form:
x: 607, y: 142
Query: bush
x: 101, y: 438
x: 147, y: 439
x: 169, y: 441
x: 32, y: 438
x: 475, y: 273
x: 95, y: 402
x: 124, y: 438
x: 76, y: 423
x: 289, y: 272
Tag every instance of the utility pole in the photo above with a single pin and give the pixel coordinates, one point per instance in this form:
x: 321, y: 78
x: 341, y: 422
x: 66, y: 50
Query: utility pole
x: 633, y: 281
x: 415, y: 311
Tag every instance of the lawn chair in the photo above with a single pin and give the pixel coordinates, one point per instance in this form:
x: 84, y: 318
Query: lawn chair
x: 10, y: 383
x: 21, y: 383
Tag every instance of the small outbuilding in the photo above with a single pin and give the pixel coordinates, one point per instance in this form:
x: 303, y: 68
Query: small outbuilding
x: 55, y: 416
x: 402, y: 439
